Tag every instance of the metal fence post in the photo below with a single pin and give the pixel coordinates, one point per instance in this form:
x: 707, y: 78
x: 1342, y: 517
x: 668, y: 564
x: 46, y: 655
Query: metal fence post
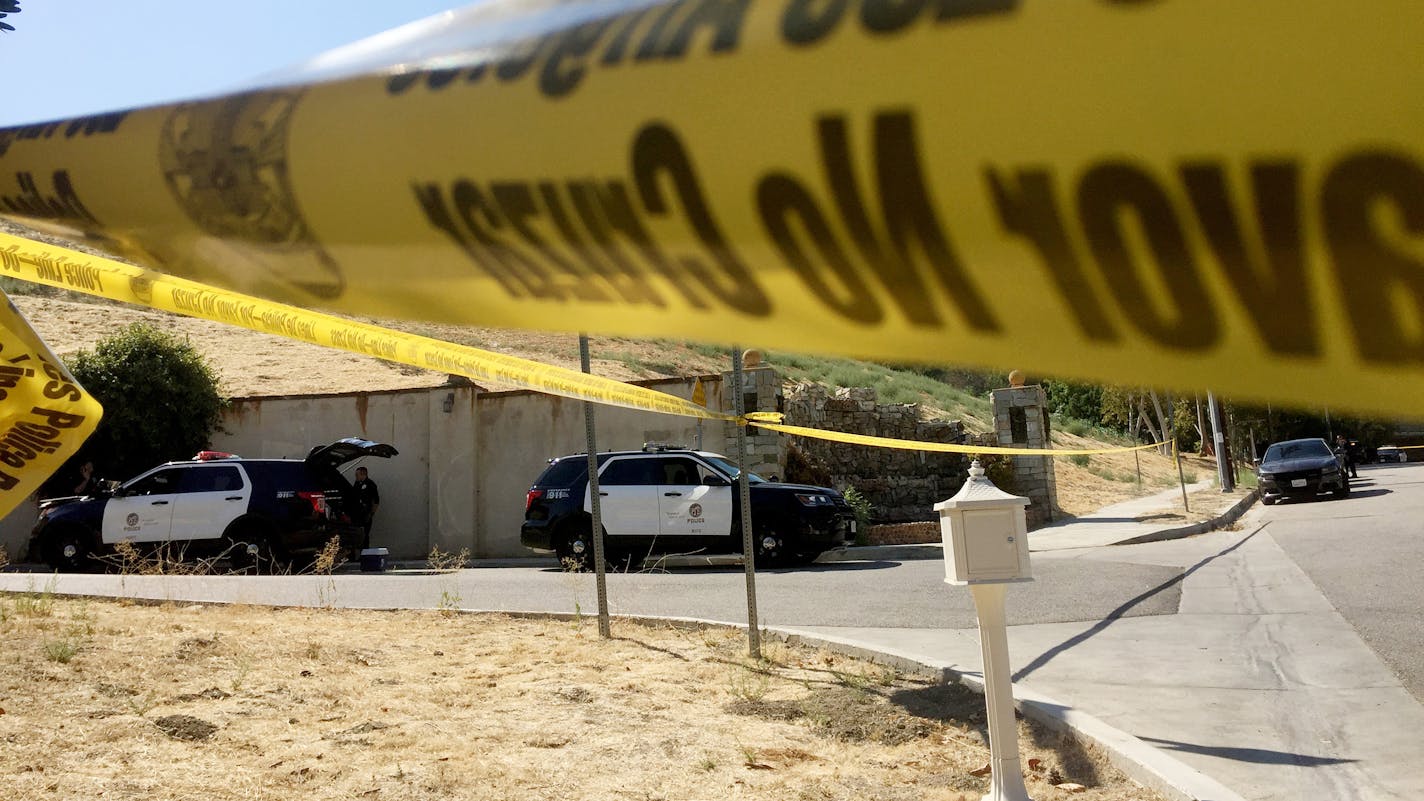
x: 744, y: 496
x: 599, y: 563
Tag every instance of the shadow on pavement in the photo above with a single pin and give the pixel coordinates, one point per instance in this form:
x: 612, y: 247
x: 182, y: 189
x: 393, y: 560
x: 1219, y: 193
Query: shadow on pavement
x: 1354, y: 493
x: 1077, y: 639
x: 694, y: 570
x: 1262, y: 756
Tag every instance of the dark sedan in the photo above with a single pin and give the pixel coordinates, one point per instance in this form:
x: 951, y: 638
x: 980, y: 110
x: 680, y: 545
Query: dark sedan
x: 1301, y: 468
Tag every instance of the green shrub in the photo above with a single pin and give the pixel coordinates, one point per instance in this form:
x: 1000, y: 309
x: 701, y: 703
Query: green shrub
x: 862, y: 507
x: 1080, y: 459
x: 160, y: 400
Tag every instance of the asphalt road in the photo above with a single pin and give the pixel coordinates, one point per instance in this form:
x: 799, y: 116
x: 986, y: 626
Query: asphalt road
x: 1366, y: 555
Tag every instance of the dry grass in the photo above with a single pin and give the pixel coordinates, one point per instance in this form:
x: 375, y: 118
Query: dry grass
x: 163, y: 703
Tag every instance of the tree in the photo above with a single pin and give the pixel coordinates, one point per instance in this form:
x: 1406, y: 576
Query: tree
x: 1079, y: 401
x: 8, y: 7
x: 1164, y: 418
x: 160, y: 400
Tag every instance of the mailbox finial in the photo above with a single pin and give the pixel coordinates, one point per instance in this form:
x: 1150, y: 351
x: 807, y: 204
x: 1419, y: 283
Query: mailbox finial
x: 976, y: 470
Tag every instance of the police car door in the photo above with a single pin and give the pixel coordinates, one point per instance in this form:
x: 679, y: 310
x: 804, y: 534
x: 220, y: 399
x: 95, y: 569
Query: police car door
x: 209, y: 498
x: 689, y: 506
x: 142, y: 511
x: 628, y: 489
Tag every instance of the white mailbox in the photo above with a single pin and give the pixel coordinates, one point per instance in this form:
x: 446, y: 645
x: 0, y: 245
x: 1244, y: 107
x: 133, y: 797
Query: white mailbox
x: 985, y: 533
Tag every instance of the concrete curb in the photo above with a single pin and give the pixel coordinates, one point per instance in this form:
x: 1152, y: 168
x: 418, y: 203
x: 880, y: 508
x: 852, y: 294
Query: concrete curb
x: 1220, y: 521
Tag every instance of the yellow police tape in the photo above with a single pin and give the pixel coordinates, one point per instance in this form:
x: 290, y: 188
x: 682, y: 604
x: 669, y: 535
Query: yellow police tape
x: 44, y: 414
x: 1177, y: 194
x: 68, y: 269
x: 771, y: 421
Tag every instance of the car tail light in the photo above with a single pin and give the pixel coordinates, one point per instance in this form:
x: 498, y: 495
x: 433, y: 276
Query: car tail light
x: 317, y: 501
x: 532, y: 496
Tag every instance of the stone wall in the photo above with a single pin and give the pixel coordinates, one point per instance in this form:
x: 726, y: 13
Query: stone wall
x: 761, y: 392
x: 1021, y: 421
x: 902, y: 485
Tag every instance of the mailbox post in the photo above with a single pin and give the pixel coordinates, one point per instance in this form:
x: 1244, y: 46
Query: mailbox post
x: 986, y: 547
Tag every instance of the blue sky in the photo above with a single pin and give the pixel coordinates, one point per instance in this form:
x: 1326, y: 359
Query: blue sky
x: 71, y: 57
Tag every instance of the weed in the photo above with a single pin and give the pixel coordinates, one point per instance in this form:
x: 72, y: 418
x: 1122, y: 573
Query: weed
x: 1080, y: 459
x: 326, y: 593
x: 66, y: 647
x: 852, y: 681
x: 32, y: 604
x: 141, y: 705
x: 327, y: 558
x: 887, y: 676
x: 4, y: 557
x: 443, y: 561
x: 313, y: 649
x: 166, y: 559
x: 61, y: 650
x: 707, y: 764
x: 449, y: 601
x: 244, y: 667
x: 84, y: 617
x: 749, y: 684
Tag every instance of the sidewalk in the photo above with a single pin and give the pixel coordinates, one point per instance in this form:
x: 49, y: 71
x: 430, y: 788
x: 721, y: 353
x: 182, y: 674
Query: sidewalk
x: 1112, y: 525
x: 1257, y: 688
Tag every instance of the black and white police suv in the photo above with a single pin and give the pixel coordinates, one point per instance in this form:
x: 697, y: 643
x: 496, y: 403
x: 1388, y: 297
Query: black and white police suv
x: 662, y: 500
x: 252, y: 512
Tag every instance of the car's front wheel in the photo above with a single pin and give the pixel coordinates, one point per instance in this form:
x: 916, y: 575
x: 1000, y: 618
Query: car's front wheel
x: 771, y: 549
x: 248, y: 550
x: 1344, y: 489
x: 69, y: 548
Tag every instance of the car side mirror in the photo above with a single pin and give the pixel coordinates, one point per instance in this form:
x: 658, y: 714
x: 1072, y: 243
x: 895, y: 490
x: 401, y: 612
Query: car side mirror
x: 713, y: 480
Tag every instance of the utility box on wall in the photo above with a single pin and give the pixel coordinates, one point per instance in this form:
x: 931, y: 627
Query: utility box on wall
x: 985, y: 533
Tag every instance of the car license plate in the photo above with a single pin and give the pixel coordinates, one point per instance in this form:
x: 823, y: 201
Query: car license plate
x: 1297, y: 482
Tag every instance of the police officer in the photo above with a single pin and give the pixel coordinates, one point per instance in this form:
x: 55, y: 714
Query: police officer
x: 1346, y: 451
x: 368, y: 500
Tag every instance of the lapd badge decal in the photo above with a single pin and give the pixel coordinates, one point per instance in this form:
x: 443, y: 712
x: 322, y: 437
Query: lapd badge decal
x: 226, y: 165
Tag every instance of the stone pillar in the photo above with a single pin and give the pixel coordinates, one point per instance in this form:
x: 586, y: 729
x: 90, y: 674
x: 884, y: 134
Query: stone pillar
x: 766, y: 450
x: 1021, y: 421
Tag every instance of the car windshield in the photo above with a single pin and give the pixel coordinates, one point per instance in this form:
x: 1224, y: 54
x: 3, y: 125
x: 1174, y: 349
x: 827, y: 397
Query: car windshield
x: 1296, y: 450
x: 733, y: 471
